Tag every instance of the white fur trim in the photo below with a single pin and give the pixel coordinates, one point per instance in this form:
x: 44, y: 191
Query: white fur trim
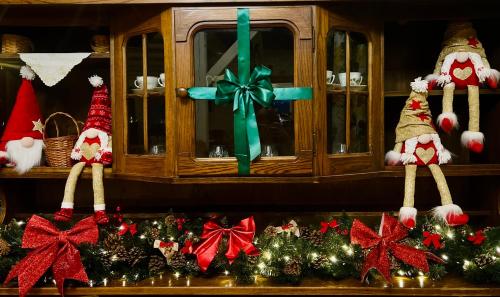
x: 406, y: 212
x: 410, y: 145
x: 419, y: 85
x: 96, y: 81
x: 98, y: 207
x: 494, y: 74
x: 444, y: 156
x: 392, y: 157
x: 67, y: 205
x: 450, y: 116
x: 481, y: 70
x: 467, y: 136
x: 103, y: 138
x: 27, y: 73
x: 442, y: 211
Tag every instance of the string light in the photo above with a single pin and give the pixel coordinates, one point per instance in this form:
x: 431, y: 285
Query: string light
x: 105, y: 282
x: 445, y: 257
x: 287, y: 258
x: 498, y: 249
x: 467, y: 263
x: 266, y: 255
x: 142, y: 236
x: 91, y: 283
x: 450, y: 234
x: 171, y: 238
x: 437, y: 227
x: 276, y: 245
x: 261, y: 265
x: 401, y: 272
x: 333, y: 259
x: 20, y: 223
x: 314, y: 255
x: 226, y: 272
x: 155, y: 222
x: 177, y: 274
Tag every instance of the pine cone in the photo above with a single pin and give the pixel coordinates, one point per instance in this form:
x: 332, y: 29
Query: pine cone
x: 4, y: 248
x: 319, y: 262
x: 154, y: 233
x: 292, y: 267
x: 170, y: 220
x: 252, y: 260
x: 270, y: 231
x: 483, y: 260
x: 106, y: 262
x: 177, y: 261
x: 156, y: 264
x: 112, y: 243
x: 120, y: 253
x: 312, y: 235
x: 135, y: 255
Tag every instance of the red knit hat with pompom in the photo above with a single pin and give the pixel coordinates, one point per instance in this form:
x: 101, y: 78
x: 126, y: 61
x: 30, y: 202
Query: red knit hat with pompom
x: 99, y: 116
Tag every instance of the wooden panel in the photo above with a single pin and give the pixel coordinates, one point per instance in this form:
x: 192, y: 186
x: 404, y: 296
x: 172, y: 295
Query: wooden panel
x: 188, y: 21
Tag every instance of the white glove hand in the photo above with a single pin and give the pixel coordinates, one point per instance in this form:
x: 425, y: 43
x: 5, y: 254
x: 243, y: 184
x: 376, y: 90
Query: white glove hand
x: 76, y: 154
x: 444, y: 156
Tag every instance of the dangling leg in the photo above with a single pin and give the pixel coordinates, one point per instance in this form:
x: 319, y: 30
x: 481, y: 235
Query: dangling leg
x: 472, y: 138
x: 66, y: 211
x: 407, y: 213
x: 98, y: 186
x: 448, y: 119
x: 450, y: 213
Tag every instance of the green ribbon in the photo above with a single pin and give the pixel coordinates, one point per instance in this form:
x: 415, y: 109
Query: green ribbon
x: 242, y: 91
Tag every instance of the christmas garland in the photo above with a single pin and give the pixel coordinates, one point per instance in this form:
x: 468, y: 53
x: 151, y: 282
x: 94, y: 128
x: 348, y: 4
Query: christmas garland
x: 133, y: 251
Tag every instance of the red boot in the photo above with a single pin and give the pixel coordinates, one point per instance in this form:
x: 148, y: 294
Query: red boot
x: 474, y: 141
x: 452, y: 214
x: 457, y: 219
x: 64, y: 215
x: 447, y: 121
x: 101, y: 217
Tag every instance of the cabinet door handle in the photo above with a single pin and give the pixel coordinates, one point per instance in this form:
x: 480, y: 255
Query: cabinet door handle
x: 181, y: 92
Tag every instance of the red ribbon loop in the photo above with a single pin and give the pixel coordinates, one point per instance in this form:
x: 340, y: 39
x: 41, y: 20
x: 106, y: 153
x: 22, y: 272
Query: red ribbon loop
x: 325, y: 225
x: 378, y: 258
x: 124, y: 228
x: 432, y: 239
x: 52, y: 248
x: 477, y: 238
x: 240, y: 239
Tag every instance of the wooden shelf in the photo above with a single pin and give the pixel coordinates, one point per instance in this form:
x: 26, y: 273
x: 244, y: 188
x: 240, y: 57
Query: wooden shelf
x: 92, y: 56
x: 448, y: 170
x: 49, y: 172
x: 440, y: 92
x: 170, y: 285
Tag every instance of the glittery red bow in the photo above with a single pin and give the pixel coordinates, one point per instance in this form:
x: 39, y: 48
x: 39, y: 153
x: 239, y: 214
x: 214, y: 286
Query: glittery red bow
x: 52, y: 248
x: 380, y: 245
x: 325, y: 225
x: 240, y: 238
x: 477, y: 238
x: 164, y: 244
x: 124, y: 228
x: 432, y: 239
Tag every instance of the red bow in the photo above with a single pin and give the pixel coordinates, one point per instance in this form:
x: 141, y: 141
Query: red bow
x: 240, y: 238
x: 188, y: 247
x: 432, y: 239
x: 477, y: 238
x: 180, y: 222
x: 164, y: 244
x: 124, y: 228
x: 52, y: 248
x: 391, y: 232
x: 325, y: 225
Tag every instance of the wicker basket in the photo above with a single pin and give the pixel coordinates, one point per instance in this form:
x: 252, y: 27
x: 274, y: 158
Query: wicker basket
x: 100, y: 43
x: 13, y: 44
x: 58, y: 149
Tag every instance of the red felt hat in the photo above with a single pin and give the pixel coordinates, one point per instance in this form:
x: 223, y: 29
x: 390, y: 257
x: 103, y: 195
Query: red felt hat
x: 25, y: 119
x: 99, y: 116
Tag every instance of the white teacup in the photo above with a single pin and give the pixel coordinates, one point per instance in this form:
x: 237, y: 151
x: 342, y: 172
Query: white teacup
x: 355, y: 78
x: 330, y: 77
x: 152, y: 82
x: 161, y: 80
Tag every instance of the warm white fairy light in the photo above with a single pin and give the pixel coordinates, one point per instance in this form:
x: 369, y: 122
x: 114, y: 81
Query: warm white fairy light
x: 105, y: 281
x: 171, y: 238
x: 437, y: 227
x: 155, y: 222
x: 333, y: 259
x: 450, y: 234
x: 314, y: 255
x: 226, y: 272
x: 498, y: 249
x: 188, y: 282
x: 124, y: 283
x: 287, y: 258
x: 114, y: 258
x: 159, y: 227
x: 401, y: 282
x: 276, y: 245
x: 91, y: 283
x: 20, y: 223
x: 266, y: 255
x: 190, y: 233
x: 467, y: 263
x: 350, y: 252
x: 421, y: 281
x: 401, y: 272
x: 142, y: 236
x: 177, y: 274
x: 261, y: 265
x: 445, y: 257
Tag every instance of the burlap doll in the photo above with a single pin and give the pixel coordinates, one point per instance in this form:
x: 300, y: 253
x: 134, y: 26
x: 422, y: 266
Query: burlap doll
x: 418, y: 144
x: 92, y: 149
x: 462, y: 64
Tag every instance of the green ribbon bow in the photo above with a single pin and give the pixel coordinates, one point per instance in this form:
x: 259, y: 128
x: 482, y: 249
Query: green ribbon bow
x: 243, y: 90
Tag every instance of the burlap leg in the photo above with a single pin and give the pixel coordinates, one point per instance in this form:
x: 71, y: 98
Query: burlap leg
x: 69, y: 189
x: 411, y: 173
x: 473, y: 92
x: 97, y: 183
x: 442, y: 185
x: 448, y: 91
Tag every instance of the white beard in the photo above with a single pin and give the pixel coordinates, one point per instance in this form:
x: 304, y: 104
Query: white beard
x: 25, y: 158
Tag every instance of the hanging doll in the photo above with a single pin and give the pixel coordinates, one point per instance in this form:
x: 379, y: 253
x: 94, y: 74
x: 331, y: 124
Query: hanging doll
x: 418, y: 144
x: 92, y: 149
x: 462, y: 64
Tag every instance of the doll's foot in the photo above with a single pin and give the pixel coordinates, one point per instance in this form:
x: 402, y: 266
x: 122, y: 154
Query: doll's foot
x: 457, y: 219
x: 447, y: 121
x: 408, y: 216
x: 474, y: 141
x: 451, y: 214
x: 64, y: 215
x: 100, y: 217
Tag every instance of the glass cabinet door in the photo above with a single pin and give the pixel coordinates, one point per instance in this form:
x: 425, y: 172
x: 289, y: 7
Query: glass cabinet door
x: 351, y: 82
x: 204, y: 49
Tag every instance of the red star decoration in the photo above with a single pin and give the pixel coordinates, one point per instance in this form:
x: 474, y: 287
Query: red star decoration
x: 472, y: 41
x: 415, y: 104
x: 423, y: 117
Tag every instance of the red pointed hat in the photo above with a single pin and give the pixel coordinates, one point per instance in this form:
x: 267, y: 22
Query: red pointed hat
x: 25, y: 119
x: 99, y: 116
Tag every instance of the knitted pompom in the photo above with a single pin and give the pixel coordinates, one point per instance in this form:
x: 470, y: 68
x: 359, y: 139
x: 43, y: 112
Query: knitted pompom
x: 419, y: 85
x: 392, y: 158
x: 27, y: 73
x: 96, y: 81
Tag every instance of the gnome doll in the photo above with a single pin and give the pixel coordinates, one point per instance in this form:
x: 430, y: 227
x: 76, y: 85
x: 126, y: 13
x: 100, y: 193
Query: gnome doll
x: 92, y: 149
x: 21, y: 144
x: 462, y: 64
x: 418, y: 144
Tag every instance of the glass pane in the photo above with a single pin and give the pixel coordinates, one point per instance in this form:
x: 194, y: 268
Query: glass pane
x: 135, y: 107
x: 336, y: 121
x: 359, y: 93
x: 215, y: 50
x: 156, y: 94
x: 336, y: 59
